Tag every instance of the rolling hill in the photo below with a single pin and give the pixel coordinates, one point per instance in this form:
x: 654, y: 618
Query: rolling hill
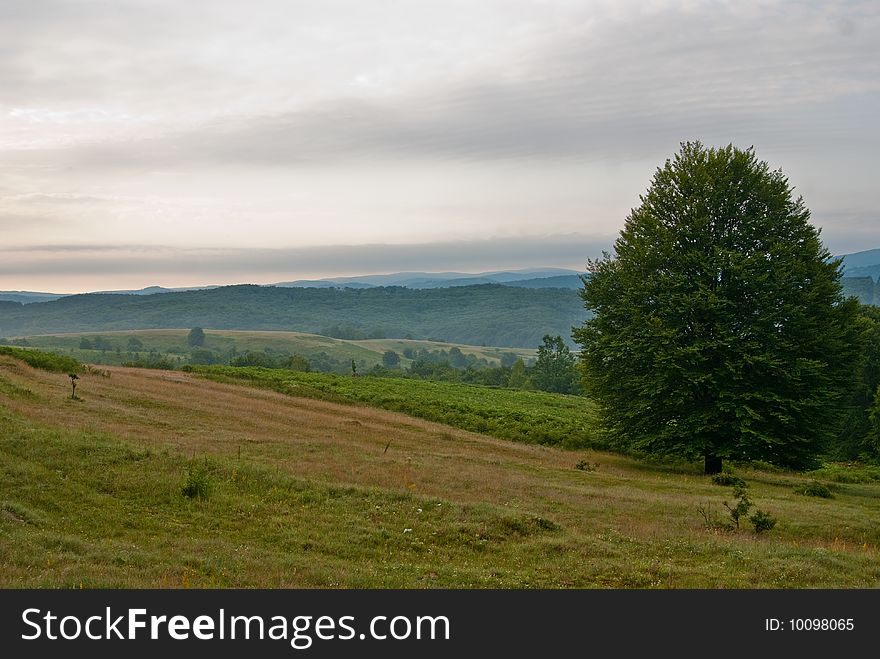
x: 492, y: 314
x: 313, y: 493
x: 173, y: 343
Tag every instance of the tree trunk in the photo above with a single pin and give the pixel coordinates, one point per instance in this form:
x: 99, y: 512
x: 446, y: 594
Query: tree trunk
x: 713, y: 464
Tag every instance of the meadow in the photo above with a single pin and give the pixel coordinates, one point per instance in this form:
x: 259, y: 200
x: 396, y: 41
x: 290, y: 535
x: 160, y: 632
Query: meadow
x: 533, y: 417
x: 172, y: 345
x: 314, y: 493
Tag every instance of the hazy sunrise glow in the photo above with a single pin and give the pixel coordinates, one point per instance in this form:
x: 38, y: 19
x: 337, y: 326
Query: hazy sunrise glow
x: 158, y: 142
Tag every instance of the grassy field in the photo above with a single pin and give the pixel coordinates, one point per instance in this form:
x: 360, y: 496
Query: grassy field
x: 533, y: 417
x: 307, y: 492
x: 173, y: 342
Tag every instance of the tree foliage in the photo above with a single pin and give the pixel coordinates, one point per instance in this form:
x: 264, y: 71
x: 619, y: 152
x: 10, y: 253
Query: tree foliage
x: 390, y: 359
x: 719, y: 328
x: 196, y: 337
x: 488, y: 314
x: 860, y: 436
x: 556, y: 368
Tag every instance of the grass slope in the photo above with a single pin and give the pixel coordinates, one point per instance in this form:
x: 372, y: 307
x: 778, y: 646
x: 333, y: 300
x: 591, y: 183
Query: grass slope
x: 533, y: 417
x: 46, y: 361
x: 305, y: 494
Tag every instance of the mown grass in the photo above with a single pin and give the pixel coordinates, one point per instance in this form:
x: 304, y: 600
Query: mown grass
x: 532, y: 417
x: 308, y: 493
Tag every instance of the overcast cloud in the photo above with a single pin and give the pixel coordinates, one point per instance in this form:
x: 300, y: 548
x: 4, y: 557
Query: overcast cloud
x: 266, y: 141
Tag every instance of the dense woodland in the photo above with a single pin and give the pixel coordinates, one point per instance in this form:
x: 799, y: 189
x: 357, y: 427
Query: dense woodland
x: 476, y: 315
x: 483, y: 315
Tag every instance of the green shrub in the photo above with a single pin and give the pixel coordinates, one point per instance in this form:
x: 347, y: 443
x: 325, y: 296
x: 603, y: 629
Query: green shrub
x: 815, y: 489
x: 762, y: 521
x: 152, y: 360
x: 46, y: 361
x: 848, y: 473
x: 198, y: 483
x: 728, y: 480
x: 741, y: 506
x: 585, y: 465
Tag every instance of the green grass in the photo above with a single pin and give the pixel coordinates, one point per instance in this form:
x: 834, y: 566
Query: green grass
x: 847, y: 473
x: 533, y: 417
x: 84, y: 509
x: 81, y: 509
x: 46, y: 361
x: 300, y: 493
x: 172, y: 342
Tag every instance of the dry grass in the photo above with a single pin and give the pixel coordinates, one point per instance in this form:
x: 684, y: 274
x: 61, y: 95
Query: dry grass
x: 493, y: 513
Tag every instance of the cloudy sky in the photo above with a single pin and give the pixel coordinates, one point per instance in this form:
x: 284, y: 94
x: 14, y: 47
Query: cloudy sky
x: 218, y: 141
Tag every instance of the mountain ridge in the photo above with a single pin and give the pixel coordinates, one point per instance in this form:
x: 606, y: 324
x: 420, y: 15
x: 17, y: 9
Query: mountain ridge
x: 856, y: 265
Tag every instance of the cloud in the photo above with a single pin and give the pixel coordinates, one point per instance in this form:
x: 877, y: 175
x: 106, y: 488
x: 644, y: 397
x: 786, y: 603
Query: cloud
x: 285, y: 124
x: 266, y: 265
x: 596, y: 89
x: 64, y: 198
x: 13, y: 221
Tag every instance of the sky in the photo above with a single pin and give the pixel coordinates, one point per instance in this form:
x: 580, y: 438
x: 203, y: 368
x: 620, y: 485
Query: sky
x: 147, y: 142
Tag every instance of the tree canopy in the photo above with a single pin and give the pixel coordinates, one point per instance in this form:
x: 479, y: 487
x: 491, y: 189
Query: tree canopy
x: 196, y: 337
x: 720, y: 329
x: 555, y: 369
x: 390, y: 359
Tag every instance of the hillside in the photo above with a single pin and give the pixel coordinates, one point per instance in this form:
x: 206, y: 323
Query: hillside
x: 26, y: 297
x: 474, y: 315
x: 307, y: 493
x: 172, y: 343
x: 572, y: 282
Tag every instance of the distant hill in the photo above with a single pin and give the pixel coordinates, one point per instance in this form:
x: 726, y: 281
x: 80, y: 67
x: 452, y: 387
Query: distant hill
x: 154, y: 290
x: 417, y: 280
x: 28, y: 297
x: 572, y: 282
x: 490, y: 314
x: 421, y: 280
x: 864, y: 288
x: 872, y: 271
x: 861, y: 259
x: 862, y: 264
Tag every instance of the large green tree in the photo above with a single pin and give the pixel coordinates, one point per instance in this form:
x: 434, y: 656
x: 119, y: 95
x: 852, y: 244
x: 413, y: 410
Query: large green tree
x: 719, y: 328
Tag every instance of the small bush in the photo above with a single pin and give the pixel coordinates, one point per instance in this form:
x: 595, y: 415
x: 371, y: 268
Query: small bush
x: 762, y: 521
x: 153, y: 361
x: 741, y: 506
x: 198, y: 483
x: 585, y: 465
x: 815, y: 489
x: 728, y: 480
